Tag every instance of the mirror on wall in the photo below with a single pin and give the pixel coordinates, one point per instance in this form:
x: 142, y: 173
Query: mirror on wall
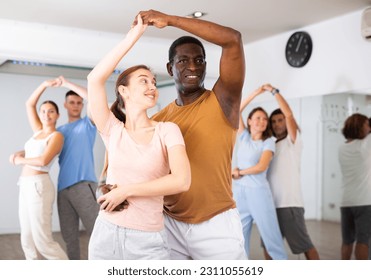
x: 321, y: 119
x: 335, y: 109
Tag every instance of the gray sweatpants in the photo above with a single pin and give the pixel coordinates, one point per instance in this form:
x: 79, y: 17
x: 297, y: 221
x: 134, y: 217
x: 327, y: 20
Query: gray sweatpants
x: 112, y: 242
x: 75, y: 203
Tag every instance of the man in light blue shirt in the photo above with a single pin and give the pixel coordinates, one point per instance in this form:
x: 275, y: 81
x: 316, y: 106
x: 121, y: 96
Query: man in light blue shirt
x: 77, y: 182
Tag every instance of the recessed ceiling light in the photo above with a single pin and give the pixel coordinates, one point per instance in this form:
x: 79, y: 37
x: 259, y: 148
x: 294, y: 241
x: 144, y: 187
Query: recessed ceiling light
x: 197, y: 14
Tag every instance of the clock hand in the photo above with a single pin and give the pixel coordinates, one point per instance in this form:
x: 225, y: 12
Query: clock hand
x: 299, y: 43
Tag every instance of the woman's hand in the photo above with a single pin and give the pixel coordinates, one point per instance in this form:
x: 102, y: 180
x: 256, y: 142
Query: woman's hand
x: 154, y: 18
x: 57, y: 82
x: 267, y: 87
x: 236, y: 173
x: 11, y: 159
x: 137, y: 29
x: 16, y: 158
x: 259, y: 90
x: 63, y: 81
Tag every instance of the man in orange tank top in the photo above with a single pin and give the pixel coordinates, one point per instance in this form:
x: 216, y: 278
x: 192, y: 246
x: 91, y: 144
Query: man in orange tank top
x: 203, y: 223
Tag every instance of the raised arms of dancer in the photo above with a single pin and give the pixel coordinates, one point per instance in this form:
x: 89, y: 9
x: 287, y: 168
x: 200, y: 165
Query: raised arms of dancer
x: 291, y: 125
x: 228, y: 87
x: 244, y: 103
x: 80, y: 90
x: 101, y: 72
x: 32, y: 115
x: 55, y: 143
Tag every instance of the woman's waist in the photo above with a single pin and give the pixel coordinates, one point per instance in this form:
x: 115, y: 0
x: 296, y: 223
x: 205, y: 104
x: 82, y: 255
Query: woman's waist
x: 28, y: 171
x: 33, y: 178
x: 134, y: 217
x: 252, y: 181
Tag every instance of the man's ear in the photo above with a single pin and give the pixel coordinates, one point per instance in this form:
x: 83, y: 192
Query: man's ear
x: 65, y: 105
x: 169, y: 67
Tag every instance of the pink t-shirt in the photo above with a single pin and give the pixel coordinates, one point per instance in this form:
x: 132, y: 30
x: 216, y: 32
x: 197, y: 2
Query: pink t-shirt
x: 130, y: 163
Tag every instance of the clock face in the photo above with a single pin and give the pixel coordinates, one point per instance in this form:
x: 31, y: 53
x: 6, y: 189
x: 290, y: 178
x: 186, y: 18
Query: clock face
x: 298, y: 49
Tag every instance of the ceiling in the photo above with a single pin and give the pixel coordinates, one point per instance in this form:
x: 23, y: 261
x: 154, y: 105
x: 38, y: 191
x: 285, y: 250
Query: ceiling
x: 255, y: 19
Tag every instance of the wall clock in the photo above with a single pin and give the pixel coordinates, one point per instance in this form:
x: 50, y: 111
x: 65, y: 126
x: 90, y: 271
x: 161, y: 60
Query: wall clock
x: 298, y: 49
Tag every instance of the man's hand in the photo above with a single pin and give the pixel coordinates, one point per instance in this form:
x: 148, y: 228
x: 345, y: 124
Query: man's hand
x: 154, y: 18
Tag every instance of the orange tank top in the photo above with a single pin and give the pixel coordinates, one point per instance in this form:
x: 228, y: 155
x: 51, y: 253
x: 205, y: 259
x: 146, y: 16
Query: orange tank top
x: 209, y: 140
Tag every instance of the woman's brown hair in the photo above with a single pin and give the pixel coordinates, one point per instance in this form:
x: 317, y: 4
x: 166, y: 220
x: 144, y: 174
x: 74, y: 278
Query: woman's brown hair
x: 354, y: 127
x: 123, y: 80
x: 268, y: 131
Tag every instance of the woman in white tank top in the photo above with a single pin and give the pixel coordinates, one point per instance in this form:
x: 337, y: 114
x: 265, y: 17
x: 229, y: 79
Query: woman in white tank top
x: 36, y: 189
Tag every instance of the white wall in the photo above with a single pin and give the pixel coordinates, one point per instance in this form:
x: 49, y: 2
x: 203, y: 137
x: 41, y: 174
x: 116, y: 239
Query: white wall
x: 340, y: 62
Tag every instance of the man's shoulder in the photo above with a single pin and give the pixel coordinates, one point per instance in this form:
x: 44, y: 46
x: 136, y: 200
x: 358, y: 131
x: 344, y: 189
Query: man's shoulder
x: 163, y: 112
x: 82, y: 122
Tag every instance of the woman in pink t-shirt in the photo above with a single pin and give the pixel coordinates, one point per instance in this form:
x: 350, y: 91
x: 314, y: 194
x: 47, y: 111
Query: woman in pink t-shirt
x: 147, y: 160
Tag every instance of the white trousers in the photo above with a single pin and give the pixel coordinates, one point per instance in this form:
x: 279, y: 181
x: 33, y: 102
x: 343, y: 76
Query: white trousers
x: 112, y: 242
x: 36, y: 198
x: 219, y: 238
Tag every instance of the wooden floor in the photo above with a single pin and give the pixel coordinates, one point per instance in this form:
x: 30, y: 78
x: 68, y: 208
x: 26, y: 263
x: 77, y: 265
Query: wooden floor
x: 10, y: 246
x: 326, y: 236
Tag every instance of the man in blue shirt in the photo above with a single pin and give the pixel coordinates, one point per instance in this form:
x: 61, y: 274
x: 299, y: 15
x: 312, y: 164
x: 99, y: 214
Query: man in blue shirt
x: 77, y: 182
